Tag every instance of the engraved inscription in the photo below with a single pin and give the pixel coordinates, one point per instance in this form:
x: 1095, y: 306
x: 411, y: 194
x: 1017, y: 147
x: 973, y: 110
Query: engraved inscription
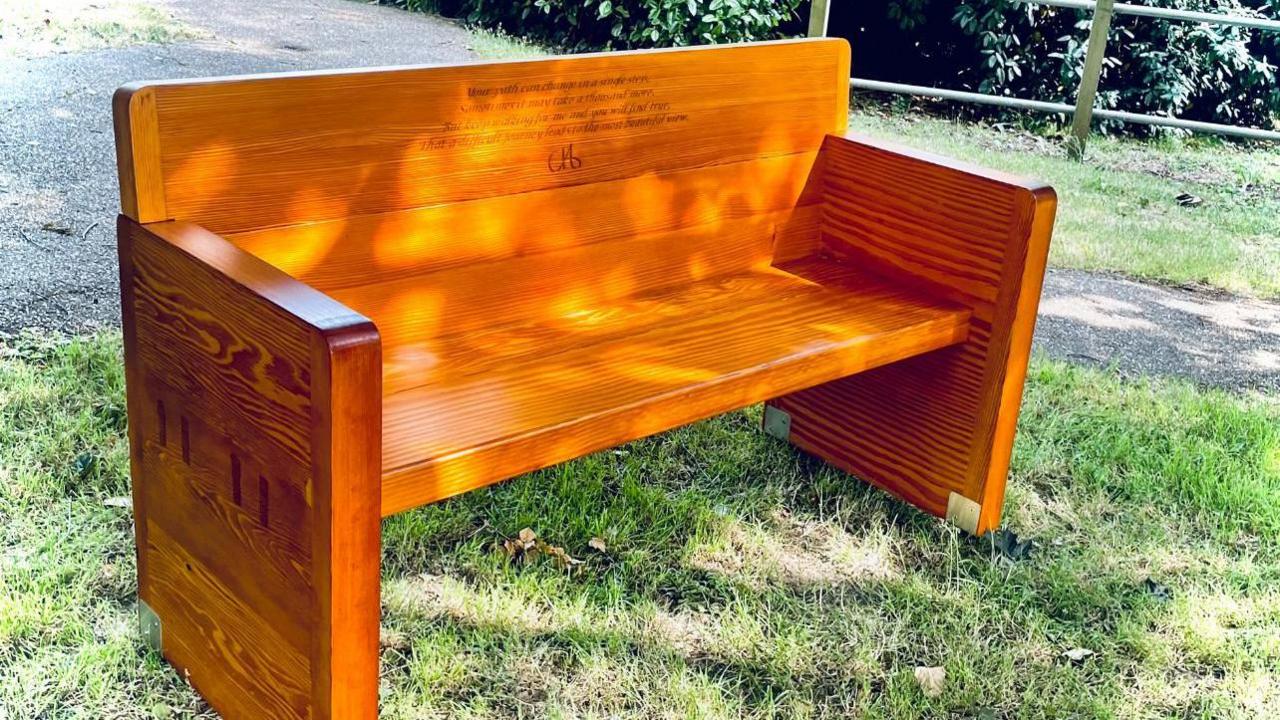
x: 562, y: 111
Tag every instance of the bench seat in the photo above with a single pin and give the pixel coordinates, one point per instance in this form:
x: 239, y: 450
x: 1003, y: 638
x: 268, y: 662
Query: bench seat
x: 512, y: 397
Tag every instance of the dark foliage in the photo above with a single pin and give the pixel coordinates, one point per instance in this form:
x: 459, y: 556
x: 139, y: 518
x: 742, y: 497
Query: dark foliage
x: 1197, y: 71
x: 578, y: 25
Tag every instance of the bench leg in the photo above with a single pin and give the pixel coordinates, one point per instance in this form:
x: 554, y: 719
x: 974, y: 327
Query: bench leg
x: 918, y: 428
x: 938, y: 429
x: 255, y: 464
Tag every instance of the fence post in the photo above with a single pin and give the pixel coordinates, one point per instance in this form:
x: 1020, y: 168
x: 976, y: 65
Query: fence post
x: 819, y: 15
x: 1082, y: 121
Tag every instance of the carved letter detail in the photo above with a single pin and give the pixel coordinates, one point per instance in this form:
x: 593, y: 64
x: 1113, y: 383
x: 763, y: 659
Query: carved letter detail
x: 563, y: 159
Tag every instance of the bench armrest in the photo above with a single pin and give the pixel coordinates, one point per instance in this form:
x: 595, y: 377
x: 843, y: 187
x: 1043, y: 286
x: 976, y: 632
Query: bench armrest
x: 255, y: 435
x: 261, y: 282
x: 945, y: 164
x: 960, y: 232
x: 967, y: 232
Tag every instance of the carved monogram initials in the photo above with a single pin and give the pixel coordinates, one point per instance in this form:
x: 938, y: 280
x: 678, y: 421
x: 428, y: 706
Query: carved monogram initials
x: 564, y: 159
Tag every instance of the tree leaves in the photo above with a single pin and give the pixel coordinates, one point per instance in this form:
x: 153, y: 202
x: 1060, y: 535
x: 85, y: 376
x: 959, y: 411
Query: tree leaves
x: 609, y: 24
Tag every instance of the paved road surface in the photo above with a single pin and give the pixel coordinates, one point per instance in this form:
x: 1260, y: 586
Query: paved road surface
x: 1147, y: 329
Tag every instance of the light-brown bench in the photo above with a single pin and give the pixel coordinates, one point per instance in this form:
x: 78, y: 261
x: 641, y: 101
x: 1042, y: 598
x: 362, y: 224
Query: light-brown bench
x: 347, y: 294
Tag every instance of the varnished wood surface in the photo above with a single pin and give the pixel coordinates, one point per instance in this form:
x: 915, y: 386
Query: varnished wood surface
x: 238, y: 154
x: 347, y: 532
x: 372, y: 249
x: 360, y: 291
x: 137, y: 136
x: 435, y: 315
x: 519, y: 396
x: 261, y: 566
x: 945, y: 422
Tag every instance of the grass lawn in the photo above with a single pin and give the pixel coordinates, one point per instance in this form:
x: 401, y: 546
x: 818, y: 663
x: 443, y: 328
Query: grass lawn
x: 40, y: 27
x: 738, y: 578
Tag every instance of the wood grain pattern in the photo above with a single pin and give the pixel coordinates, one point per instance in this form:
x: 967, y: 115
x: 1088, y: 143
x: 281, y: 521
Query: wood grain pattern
x: 437, y: 314
x: 945, y: 422
x: 522, y: 396
x: 257, y: 560
x: 348, y: 541
x: 372, y: 249
x: 240, y: 154
x: 356, y: 292
x: 138, y: 154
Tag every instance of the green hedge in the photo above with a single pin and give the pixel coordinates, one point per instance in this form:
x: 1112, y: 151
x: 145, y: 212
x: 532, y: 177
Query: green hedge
x: 578, y: 25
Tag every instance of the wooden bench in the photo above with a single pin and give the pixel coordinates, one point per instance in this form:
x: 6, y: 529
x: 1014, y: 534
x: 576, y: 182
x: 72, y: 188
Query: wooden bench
x: 347, y: 294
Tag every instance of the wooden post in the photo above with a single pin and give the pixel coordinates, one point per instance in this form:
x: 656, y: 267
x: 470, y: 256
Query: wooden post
x: 819, y: 15
x: 1097, y: 52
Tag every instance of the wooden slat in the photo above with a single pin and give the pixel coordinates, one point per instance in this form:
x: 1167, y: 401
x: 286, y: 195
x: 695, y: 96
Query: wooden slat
x: 440, y: 315
x: 238, y: 154
x: 545, y: 392
x: 371, y: 249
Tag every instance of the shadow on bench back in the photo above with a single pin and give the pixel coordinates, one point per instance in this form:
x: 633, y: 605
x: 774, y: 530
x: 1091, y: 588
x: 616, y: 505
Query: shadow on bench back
x: 506, y: 159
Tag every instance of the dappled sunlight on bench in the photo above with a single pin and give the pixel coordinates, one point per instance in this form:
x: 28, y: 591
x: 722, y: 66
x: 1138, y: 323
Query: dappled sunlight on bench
x: 350, y: 294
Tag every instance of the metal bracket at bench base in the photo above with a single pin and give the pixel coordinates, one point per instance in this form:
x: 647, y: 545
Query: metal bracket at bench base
x: 963, y: 513
x: 777, y: 423
x: 149, y: 624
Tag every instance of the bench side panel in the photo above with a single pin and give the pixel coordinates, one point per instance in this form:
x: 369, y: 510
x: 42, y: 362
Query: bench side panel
x: 236, y: 154
x: 243, y: 476
x: 935, y: 430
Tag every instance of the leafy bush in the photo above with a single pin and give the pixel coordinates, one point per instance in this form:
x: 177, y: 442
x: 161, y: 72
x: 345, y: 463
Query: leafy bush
x: 1196, y: 71
x: 578, y: 25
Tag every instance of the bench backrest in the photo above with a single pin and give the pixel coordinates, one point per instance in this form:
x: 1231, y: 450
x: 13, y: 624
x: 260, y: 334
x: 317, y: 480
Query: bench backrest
x: 247, y: 153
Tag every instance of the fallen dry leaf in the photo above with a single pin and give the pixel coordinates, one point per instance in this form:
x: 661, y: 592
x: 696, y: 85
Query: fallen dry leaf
x: 525, y: 545
x: 392, y: 639
x: 528, y: 547
x: 598, y: 544
x: 931, y: 680
x: 1077, y: 654
x: 562, y: 558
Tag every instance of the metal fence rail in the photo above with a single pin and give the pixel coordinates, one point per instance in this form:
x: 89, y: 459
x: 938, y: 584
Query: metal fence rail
x: 1082, y: 112
x: 1167, y: 14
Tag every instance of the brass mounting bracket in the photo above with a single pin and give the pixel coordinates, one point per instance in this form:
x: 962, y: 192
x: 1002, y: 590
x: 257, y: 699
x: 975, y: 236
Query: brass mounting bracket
x: 777, y: 423
x: 963, y: 513
x: 149, y: 625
